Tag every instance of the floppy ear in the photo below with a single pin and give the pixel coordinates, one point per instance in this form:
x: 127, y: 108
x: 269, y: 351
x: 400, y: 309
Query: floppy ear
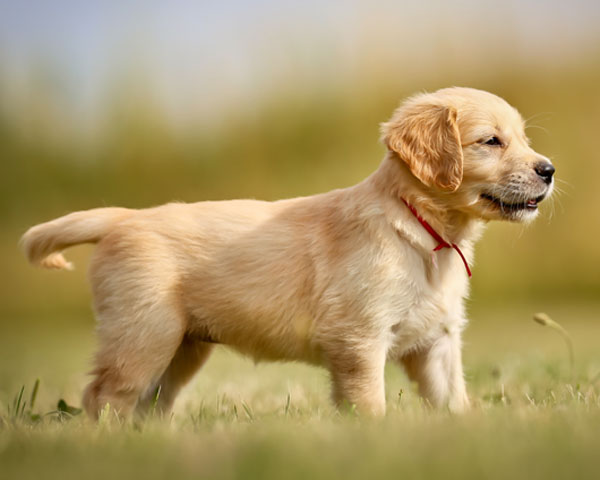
x: 426, y: 137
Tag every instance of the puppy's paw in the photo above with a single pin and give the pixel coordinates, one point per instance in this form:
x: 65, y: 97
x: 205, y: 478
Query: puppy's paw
x: 460, y: 404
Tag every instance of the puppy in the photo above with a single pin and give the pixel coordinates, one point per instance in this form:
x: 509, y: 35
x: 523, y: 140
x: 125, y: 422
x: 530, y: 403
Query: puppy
x: 345, y: 279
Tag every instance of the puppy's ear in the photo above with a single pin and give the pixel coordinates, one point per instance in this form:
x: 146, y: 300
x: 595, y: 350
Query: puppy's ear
x: 426, y: 137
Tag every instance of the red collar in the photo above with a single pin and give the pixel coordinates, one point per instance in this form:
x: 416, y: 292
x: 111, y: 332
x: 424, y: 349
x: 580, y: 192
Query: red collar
x: 441, y: 242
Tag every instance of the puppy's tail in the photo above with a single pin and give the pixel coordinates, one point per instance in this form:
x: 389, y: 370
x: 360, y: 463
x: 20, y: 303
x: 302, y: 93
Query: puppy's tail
x: 44, y: 242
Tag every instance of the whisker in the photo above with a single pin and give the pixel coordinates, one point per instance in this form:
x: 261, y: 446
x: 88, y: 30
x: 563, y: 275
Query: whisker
x: 545, y: 115
x: 552, y: 210
x: 564, y: 182
x: 558, y: 191
x: 560, y: 204
x: 537, y: 115
x: 543, y: 129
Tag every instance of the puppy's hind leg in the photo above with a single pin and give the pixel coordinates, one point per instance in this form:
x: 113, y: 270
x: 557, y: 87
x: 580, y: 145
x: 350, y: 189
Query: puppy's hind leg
x: 137, y: 344
x: 189, y: 358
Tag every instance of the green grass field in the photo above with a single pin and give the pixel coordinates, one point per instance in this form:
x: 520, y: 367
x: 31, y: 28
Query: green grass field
x: 533, y: 416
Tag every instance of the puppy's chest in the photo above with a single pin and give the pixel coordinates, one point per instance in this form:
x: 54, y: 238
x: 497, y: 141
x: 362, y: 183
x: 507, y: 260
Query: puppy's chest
x: 421, y: 301
x: 428, y: 318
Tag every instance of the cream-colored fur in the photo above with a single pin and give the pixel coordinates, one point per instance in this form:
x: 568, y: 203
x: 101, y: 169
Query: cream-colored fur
x: 345, y: 279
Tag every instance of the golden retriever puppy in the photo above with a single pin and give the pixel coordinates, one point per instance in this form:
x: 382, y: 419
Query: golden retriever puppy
x: 345, y: 279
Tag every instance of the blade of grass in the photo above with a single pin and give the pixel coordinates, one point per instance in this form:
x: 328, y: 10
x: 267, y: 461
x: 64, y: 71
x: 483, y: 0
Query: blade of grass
x: 545, y: 320
x: 34, y: 393
x: 17, y: 402
x: 288, y: 400
x: 155, y: 400
x: 248, y: 411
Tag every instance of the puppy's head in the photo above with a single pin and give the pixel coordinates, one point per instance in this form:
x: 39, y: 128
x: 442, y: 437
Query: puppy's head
x: 469, y: 150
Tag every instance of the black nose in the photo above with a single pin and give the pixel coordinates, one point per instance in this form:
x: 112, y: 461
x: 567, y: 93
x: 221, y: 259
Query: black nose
x: 545, y: 170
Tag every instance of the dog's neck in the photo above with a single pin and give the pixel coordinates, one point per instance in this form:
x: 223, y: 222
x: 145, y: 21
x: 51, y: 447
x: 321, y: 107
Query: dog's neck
x: 397, y: 183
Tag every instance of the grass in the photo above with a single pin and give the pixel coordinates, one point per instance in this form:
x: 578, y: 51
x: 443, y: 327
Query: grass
x: 533, y: 416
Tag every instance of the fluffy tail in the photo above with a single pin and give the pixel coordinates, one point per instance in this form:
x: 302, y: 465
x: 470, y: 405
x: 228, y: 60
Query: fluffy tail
x: 43, y: 243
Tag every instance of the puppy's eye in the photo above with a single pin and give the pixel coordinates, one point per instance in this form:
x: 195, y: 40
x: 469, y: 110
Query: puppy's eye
x: 494, y: 141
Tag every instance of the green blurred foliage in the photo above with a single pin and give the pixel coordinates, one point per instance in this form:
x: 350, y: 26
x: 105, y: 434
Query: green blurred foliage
x: 302, y: 139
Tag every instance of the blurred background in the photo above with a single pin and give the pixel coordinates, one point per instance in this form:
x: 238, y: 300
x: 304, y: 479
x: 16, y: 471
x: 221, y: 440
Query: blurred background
x: 140, y: 103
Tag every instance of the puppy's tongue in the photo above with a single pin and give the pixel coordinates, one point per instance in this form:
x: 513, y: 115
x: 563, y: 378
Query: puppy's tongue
x: 532, y: 203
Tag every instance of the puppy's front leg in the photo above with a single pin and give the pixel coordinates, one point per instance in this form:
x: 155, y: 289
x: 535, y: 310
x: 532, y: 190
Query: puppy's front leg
x: 439, y: 373
x: 357, y: 374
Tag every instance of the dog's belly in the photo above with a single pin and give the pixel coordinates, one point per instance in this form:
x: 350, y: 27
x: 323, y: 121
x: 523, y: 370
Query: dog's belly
x: 262, y: 338
x: 297, y: 336
x: 262, y: 325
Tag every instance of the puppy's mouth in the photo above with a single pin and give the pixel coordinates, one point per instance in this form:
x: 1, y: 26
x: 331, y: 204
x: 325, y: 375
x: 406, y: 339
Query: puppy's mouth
x: 528, y: 205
